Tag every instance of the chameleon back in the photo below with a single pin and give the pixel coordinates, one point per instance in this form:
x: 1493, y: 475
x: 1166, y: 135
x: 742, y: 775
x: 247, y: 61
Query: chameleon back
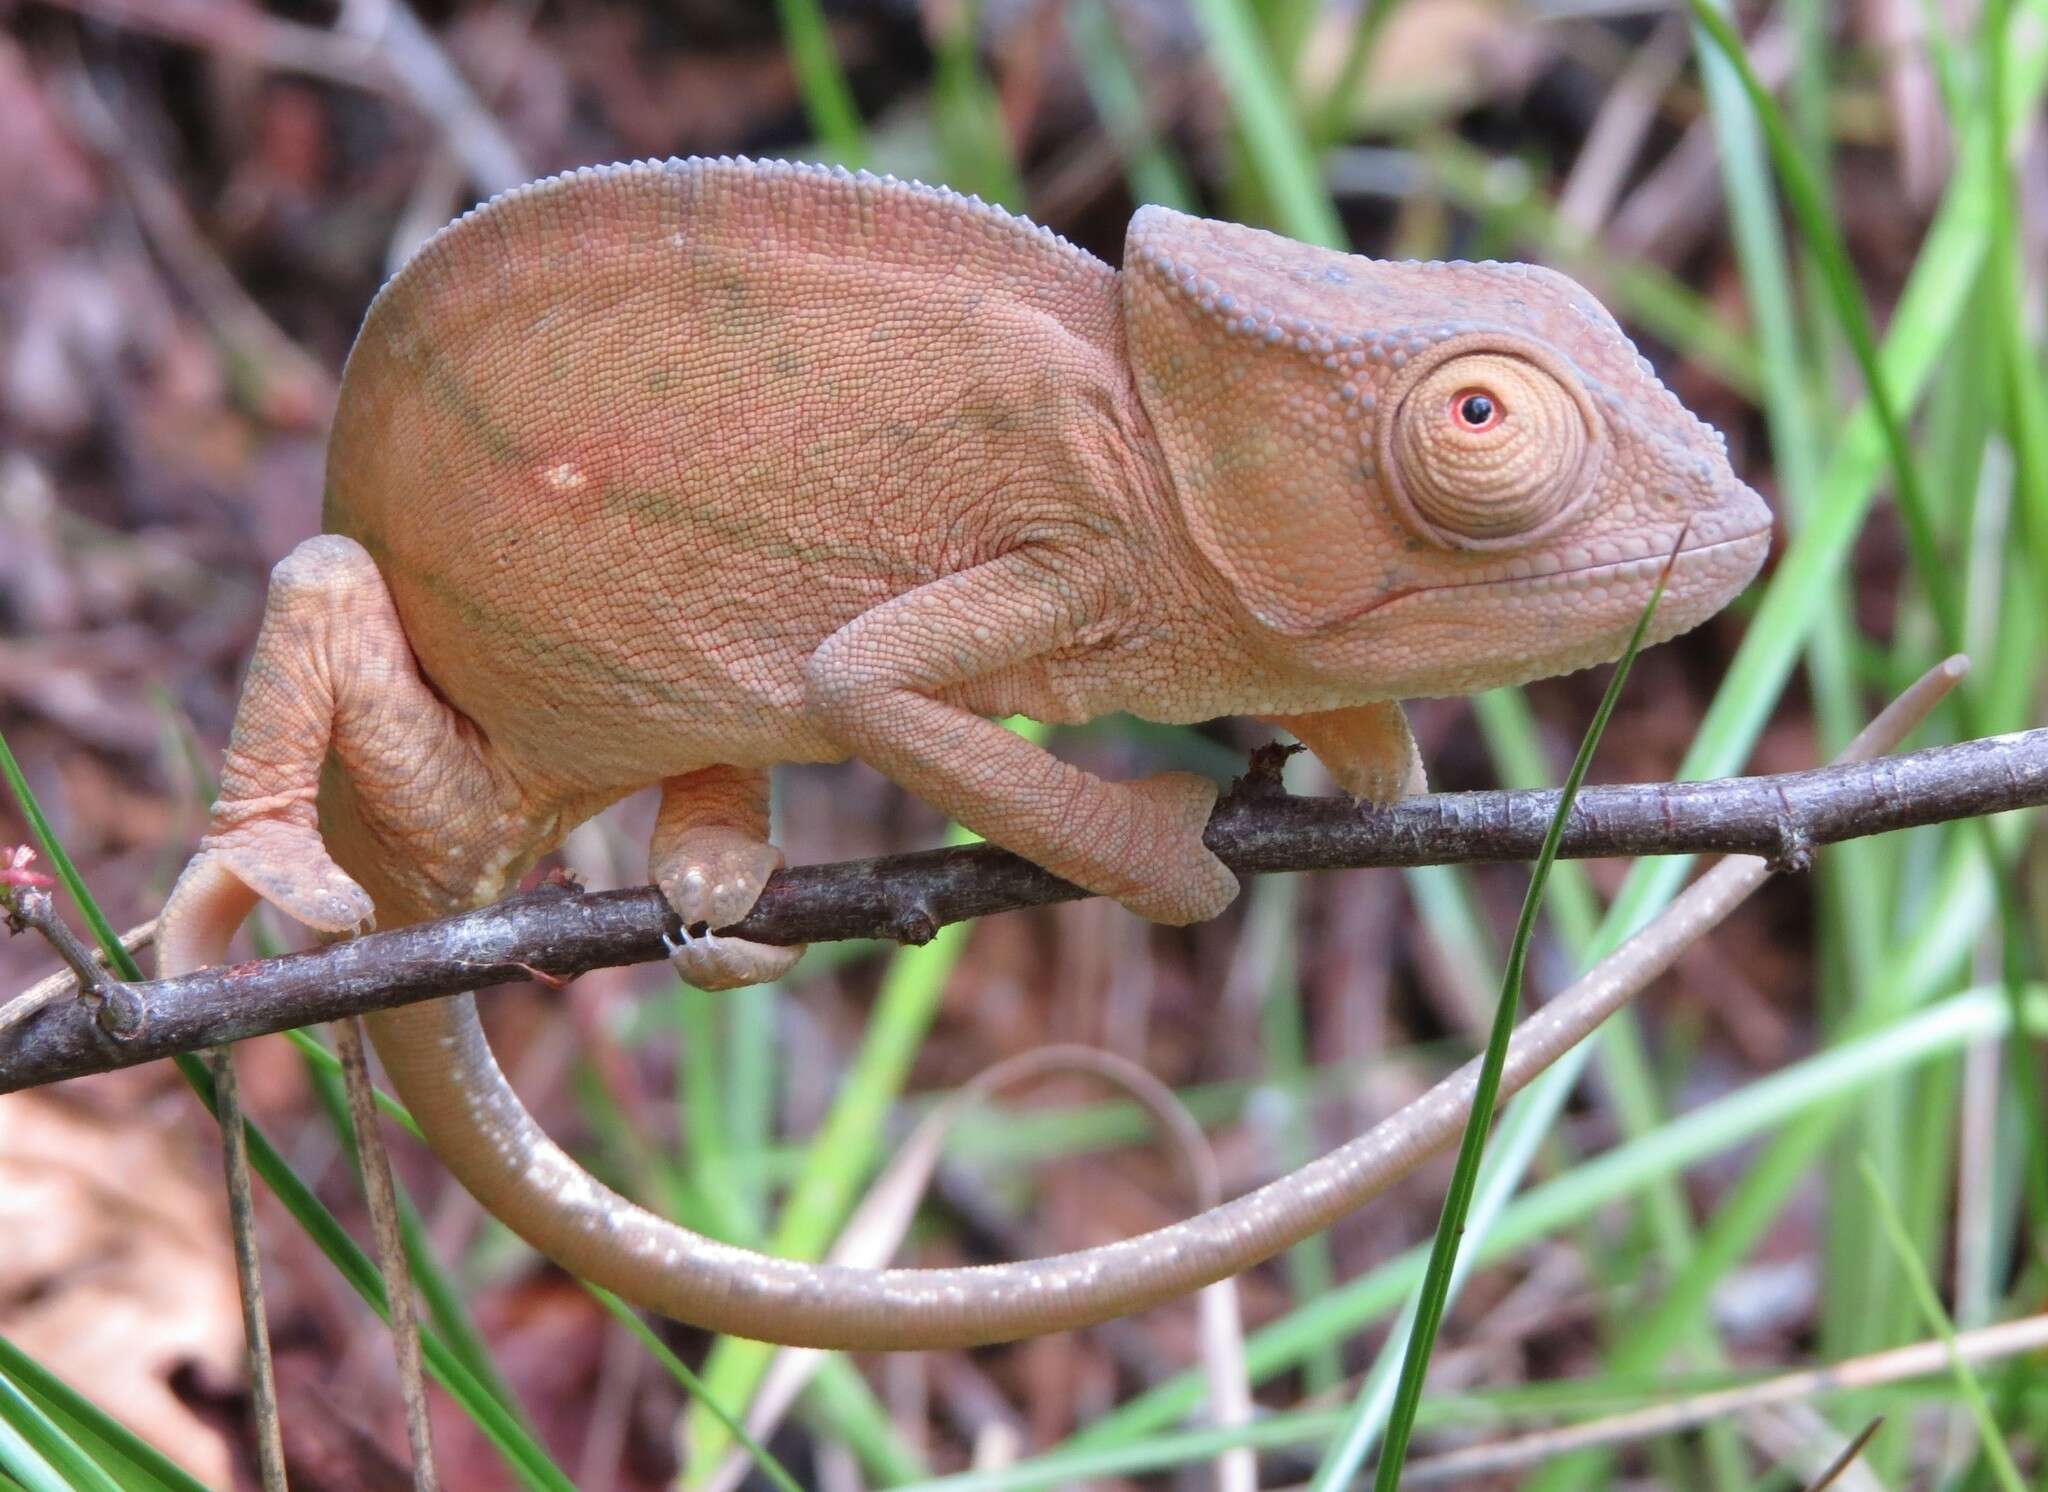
x: 627, y: 444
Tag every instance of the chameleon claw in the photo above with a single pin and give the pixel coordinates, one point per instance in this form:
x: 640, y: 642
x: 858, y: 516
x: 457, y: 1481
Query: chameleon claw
x: 695, y: 935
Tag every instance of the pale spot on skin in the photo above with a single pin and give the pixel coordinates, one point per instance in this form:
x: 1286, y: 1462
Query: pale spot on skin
x: 565, y: 476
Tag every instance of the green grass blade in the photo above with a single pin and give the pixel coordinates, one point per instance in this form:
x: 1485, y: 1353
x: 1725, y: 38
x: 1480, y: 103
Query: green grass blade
x: 445, y: 1306
x: 1275, y: 144
x: 33, y: 1447
x: 1995, y: 1451
x: 22, y: 1462
x: 133, y: 1462
x: 1831, y: 1077
x: 1332, y: 118
x: 694, y: 1387
x: 842, y: 1154
x: 974, y: 143
x: 828, y: 100
x: 1342, y: 1461
x: 1268, y: 932
x: 2026, y: 386
x: 1118, y: 96
x: 1932, y: 303
x: 1824, y: 239
x: 522, y: 1453
x: 1125, y: 1443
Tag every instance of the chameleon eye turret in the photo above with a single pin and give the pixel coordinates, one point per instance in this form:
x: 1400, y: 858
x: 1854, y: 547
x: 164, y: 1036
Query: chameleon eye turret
x: 1465, y: 471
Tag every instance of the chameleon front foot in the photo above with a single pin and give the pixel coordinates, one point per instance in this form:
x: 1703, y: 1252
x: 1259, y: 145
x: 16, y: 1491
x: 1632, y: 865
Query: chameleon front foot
x: 1169, y: 874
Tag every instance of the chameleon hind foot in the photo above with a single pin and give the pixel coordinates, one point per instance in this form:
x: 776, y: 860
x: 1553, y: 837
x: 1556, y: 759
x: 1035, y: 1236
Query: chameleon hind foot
x: 279, y: 863
x: 332, y: 679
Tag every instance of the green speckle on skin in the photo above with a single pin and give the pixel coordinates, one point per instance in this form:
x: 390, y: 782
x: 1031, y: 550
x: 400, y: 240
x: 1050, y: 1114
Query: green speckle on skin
x: 991, y: 413
x: 550, y: 648
x: 447, y: 391
x: 737, y: 306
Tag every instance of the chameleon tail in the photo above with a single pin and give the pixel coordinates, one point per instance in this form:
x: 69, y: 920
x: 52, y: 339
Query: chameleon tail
x: 441, y: 1066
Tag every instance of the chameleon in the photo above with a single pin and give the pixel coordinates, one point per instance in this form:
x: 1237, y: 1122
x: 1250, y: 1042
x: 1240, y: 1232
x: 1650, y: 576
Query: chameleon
x: 667, y: 473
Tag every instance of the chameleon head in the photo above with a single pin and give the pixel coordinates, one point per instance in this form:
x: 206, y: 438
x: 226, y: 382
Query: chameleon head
x: 1424, y: 478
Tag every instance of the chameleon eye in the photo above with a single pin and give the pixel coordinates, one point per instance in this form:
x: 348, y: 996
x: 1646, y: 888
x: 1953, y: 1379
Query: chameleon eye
x: 1476, y: 410
x: 1497, y: 491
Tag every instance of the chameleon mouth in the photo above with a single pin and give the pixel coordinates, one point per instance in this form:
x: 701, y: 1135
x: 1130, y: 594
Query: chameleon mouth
x: 1645, y: 568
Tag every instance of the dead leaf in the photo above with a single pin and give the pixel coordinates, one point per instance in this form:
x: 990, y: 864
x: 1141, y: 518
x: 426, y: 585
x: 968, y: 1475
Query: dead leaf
x: 118, y: 1271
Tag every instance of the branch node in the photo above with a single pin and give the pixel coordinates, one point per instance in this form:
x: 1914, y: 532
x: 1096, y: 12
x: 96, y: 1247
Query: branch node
x: 1794, y: 854
x: 557, y: 882
x: 117, y: 1009
x: 122, y: 1014
x: 914, y: 923
x: 1262, y: 776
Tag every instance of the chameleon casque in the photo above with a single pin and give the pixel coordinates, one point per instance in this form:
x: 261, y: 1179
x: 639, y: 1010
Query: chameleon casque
x: 667, y: 473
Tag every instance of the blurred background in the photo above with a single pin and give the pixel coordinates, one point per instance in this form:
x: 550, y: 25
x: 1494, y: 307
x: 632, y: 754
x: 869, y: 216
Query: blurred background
x: 1819, y: 1138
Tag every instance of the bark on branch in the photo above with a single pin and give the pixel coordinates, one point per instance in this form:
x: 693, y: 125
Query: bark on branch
x: 557, y: 933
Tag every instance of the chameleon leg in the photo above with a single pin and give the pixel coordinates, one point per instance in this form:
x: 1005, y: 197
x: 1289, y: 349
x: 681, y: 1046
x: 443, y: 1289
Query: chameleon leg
x: 710, y: 856
x: 332, y: 679
x: 878, y: 684
x: 1367, y: 748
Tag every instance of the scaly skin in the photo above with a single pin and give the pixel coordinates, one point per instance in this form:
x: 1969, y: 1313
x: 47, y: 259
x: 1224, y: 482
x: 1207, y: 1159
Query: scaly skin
x: 669, y: 473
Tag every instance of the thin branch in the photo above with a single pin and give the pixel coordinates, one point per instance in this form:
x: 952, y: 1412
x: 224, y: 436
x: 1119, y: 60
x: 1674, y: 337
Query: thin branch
x: 112, y: 1005
x: 1461, y: 1468
x: 555, y: 934
x: 379, y: 1192
x: 234, y: 1145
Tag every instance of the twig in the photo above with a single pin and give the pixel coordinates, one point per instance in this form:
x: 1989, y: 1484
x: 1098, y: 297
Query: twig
x: 234, y: 1146
x: 1626, y: 116
x: 242, y: 32
x: 438, y: 90
x: 289, y: 385
x: 375, y: 1162
x: 1838, y: 1468
x: 65, y: 981
x: 114, y: 1006
x: 1896, y: 1365
x: 393, y: 55
x: 1258, y: 829
x: 878, y: 1225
